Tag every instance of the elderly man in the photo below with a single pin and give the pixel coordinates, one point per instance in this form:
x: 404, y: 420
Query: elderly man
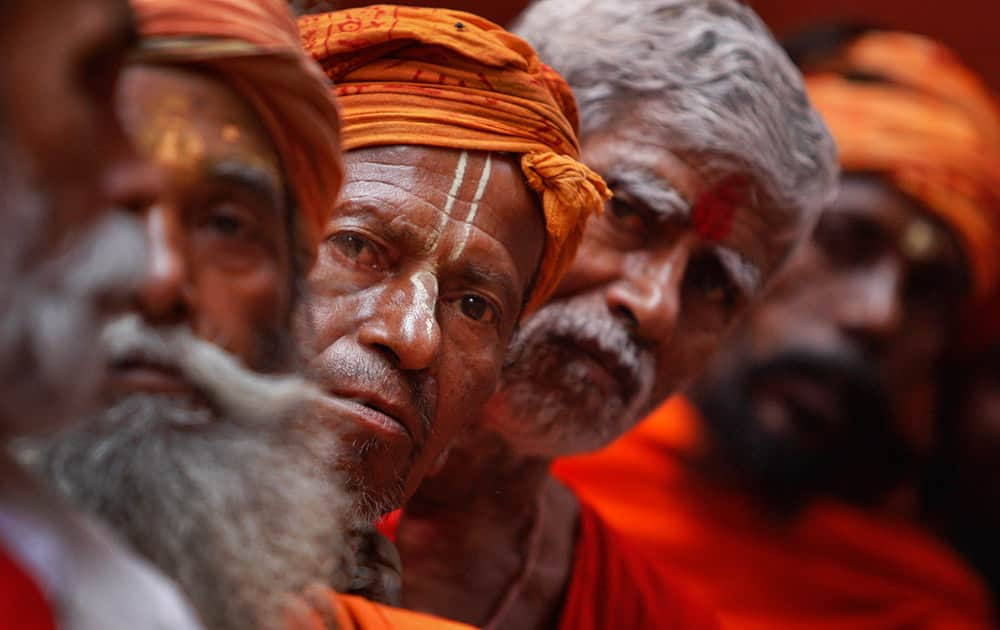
x: 190, y: 457
x: 700, y: 125
x: 794, y: 502
x: 463, y: 205
x: 70, y: 253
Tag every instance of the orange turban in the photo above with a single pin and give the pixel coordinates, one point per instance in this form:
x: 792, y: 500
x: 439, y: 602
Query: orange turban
x: 253, y: 46
x: 931, y: 127
x: 444, y: 78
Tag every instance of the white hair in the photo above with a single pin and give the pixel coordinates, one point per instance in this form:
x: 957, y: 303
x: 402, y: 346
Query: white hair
x: 720, y: 87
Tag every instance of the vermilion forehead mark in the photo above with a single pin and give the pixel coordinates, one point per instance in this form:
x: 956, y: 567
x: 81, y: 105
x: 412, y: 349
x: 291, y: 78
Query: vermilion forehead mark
x: 713, y: 213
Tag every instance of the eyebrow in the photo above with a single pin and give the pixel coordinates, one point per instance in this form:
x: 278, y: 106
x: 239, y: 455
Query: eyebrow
x: 652, y: 191
x: 744, y: 273
x: 253, y: 180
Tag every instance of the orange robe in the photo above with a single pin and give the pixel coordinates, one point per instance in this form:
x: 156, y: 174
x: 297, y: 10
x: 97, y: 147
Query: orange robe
x: 614, y: 585
x: 835, y: 567
x: 356, y: 613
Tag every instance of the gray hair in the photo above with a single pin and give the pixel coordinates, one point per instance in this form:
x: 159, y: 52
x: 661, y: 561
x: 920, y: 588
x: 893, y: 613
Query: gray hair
x: 720, y: 87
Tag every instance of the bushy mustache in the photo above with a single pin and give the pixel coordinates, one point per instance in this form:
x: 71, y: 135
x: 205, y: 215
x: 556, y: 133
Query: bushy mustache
x: 237, y: 391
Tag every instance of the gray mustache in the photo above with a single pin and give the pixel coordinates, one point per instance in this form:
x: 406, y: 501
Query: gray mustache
x: 240, y: 393
x: 582, y: 324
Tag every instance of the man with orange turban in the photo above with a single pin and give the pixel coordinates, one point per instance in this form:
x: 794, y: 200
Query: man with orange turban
x: 789, y: 495
x: 699, y: 123
x: 194, y: 455
x: 463, y: 206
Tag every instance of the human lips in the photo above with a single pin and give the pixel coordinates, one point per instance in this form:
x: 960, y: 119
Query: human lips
x: 131, y: 374
x: 373, y: 408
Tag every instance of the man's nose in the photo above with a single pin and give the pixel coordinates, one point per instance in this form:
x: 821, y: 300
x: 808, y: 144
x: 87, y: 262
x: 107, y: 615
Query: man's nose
x: 165, y: 296
x: 404, y: 326
x: 872, y: 311
x: 649, y: 294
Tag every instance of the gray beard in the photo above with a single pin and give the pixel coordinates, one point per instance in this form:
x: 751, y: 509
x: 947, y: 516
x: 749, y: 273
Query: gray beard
x: 241, y: 519
x: 545, y: 405
x: 50, y: 359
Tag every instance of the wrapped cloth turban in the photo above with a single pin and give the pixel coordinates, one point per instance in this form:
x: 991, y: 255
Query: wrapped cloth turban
x: 253, y: 46
x: 903, y: 106
x: 443, y: 78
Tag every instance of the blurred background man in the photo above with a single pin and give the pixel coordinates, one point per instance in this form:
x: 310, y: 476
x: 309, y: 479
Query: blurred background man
x: 794, y: 497
x: 191, y: 456
x: 68, y: 179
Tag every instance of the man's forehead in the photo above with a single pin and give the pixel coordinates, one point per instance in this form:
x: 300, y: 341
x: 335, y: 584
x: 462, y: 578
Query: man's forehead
x: 180, y: 114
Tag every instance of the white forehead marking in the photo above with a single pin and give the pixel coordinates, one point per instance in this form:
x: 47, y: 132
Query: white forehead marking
x: 484, y: 179
x: 449, y: 204
x: 424, y: 301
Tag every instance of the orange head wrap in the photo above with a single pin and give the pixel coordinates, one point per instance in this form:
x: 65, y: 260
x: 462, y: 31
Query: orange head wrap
x: 930, y: 126
x: 253, y: 46
x: 443, y: 78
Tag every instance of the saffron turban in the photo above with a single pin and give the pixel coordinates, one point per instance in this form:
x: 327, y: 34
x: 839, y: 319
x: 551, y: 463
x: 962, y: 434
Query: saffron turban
x: 443, y: 78
x: 931, y: 127
x: 253, y: 46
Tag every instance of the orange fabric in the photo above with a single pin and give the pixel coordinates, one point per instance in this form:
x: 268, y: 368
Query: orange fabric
x: 437, y: 77
x: 22, y: 605
x: 253, y: 45
x: 614, y: 585
x: 836, y: 567
x: 347, y: 612
x: 933, y: 129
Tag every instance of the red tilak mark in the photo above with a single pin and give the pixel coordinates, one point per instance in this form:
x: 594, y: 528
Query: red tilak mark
x: 713, y: 214
x: 416, y: 75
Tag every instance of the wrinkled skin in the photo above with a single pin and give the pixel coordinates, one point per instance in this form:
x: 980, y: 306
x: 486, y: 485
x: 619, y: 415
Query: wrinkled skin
x: 64, y: 164
x: 647, y: 302
x: 219, y: 234
x: 412, y: 302
x: 263, y: 514
x: 872, y: 305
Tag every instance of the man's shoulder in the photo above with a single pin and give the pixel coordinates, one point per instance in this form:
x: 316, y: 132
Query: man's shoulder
x: 618, y: 583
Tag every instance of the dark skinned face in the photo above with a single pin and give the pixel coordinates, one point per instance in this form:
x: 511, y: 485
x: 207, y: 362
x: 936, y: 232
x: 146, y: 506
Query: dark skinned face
x: 219, y: 235
x: 62, y: 120
x: 417, y: 289
x: 647, y: 301
x: 868, y: 307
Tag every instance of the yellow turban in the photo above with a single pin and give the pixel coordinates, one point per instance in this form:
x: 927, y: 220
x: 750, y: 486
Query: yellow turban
x: 443, y: 78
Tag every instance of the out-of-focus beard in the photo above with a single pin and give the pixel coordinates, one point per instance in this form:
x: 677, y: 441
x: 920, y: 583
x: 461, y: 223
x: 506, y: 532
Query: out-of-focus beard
x: 237, y: 503
x: 802, y: 424
x: 51, y: 362
x: 548, y: 404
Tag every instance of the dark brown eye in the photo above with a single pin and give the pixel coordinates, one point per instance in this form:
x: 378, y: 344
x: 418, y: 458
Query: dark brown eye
x: 707, y: 276
x: 477, y: 309
x: 622, y: 209
x: 356, y: 248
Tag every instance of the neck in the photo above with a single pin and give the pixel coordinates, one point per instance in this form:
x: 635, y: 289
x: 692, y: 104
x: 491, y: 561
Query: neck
x: 492, y: 523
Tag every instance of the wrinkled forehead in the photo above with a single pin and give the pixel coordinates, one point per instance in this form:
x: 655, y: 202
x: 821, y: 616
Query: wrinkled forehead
x: 435, y: 190
x: 714, y: 194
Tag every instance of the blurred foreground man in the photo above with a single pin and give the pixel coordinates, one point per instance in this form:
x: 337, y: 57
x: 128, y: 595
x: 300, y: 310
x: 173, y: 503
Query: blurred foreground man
x: 68, y: 177
x: 463, y: 206
x: 191, y: 456
x: 794, y: 502
x: 700, y: 125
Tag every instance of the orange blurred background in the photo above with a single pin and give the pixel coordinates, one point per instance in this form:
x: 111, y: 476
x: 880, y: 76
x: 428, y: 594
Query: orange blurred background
x: 970, y: 27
